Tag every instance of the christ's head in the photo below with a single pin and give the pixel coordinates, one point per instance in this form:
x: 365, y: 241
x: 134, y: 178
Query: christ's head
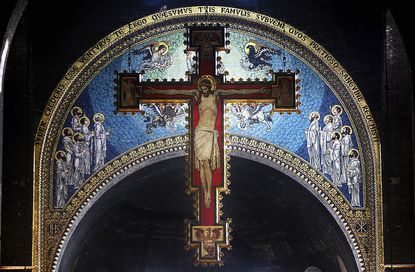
x: 205, y: 87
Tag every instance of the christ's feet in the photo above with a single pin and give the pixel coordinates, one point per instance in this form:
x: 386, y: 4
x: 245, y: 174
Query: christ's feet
x: 207, y: 201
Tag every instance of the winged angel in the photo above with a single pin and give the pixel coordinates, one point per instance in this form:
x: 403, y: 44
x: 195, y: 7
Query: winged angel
x: 154, y: 56
x: 162, y: 115
x: 249, y: 115
x: 258, y: 56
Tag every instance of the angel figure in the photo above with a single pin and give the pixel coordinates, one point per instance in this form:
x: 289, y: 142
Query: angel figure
x: 162, y: 115
x: 154, y: 56
x: 258, y: 56
x: 250, y: 114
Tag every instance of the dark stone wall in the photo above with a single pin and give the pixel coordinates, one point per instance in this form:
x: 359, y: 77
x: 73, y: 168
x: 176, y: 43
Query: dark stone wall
x: 53, y: 34
x: 17, y: 154
x: 398, y: 150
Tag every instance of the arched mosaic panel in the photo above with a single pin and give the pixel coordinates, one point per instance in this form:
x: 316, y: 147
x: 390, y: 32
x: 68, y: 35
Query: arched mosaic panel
x: 94, y: 128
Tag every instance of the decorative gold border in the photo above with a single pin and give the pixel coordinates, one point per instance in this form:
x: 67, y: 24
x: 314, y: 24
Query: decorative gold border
x: 139, y: 156
x: 107, y: 49
x: 287, y: 162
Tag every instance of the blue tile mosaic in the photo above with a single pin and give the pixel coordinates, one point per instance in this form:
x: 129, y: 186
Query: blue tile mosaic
x: 126, y: 131
x: 287, y: 130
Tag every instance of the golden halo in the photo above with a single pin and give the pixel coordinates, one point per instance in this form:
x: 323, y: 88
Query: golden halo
x: 343, y: 128
x: 253, y: 43
x: 76, y: 108
x: 353, y: 150
x: 155, y: 47
x: 340, y: 136
x: 98, y: 114
x: 77, y: 134
x: 66, y: 129
x: 210, y: 78
x: 85, y: 118
x: 314, y: 113
x: 327, y: 117
x: 59, y: 152
x: 335, y: 106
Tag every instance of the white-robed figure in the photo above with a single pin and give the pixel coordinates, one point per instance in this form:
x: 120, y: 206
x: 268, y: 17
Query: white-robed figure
x: 62, y: 177
x: 206, y: 147
x: 100, y: 140
x: 335, y: 157
x: 76, y: 116
x: 337, y: 111
x: 325, y: 143
x: 354, y: 177
x: 346, y: 145
x: 79, y: 166
x: 88, y: 139
x: 313, y: 143
x: 67, y: 142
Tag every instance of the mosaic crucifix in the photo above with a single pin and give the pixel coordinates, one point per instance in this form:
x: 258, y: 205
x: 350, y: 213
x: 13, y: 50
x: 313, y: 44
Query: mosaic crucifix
x: 206, y: 90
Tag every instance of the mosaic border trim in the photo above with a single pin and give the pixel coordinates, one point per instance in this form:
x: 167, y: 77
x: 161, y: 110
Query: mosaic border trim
x: 60, y: 225
x: 295, y: 41
x: 127, y: 164
x: 348, y: 218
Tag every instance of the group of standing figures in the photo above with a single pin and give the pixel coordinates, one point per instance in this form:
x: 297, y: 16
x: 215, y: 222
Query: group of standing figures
x: 82, y: 149
x: 330, y: 150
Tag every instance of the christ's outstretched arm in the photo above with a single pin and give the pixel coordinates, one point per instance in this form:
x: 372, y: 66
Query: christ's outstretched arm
x: 266, y: 90
x: 150, y: 90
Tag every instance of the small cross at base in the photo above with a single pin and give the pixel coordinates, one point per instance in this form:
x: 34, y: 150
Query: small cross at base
x: 206, y: 91
x: 208, y: 242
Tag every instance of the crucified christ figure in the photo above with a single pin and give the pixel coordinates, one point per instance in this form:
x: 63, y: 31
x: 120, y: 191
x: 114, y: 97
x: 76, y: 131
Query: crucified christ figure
x: 206, y: 147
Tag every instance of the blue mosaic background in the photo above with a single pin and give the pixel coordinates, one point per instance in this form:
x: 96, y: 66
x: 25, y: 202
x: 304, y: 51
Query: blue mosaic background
x: 236, y: 66
x: 287, y: 130
x: 178, y: 67
x: 127, y: 131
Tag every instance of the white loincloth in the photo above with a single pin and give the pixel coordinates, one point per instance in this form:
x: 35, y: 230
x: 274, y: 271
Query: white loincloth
x: 206, y: 147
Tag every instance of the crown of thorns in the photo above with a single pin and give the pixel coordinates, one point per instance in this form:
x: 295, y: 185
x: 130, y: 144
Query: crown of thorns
x: 207, y: 80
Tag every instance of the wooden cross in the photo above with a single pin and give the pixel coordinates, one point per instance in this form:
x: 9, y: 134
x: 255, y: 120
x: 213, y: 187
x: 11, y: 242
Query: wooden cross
x: 206, y: 89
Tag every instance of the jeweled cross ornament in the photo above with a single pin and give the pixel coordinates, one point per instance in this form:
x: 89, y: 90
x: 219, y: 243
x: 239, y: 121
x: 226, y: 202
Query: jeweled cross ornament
x: 208, y: 233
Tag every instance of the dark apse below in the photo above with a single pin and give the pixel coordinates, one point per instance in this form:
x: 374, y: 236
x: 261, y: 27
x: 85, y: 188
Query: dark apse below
x: 139, y: 225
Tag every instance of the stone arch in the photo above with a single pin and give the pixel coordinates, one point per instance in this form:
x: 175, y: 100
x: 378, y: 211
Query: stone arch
x: 52, y: 223
x: 114, y: 172
x: 314, y: 181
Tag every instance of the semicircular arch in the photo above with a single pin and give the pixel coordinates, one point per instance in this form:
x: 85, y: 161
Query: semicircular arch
x: 46, y: 218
